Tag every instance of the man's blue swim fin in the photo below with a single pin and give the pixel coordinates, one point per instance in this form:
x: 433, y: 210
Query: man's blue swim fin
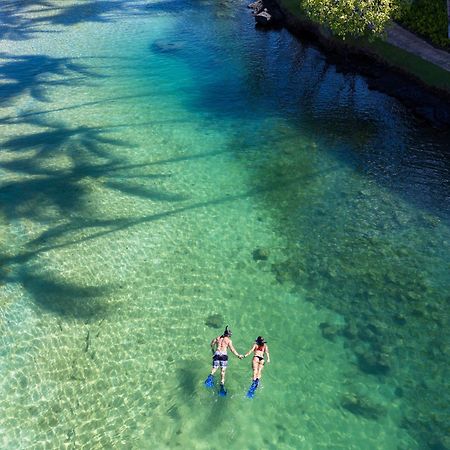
x: 209, y: 382
x: 222, y: 391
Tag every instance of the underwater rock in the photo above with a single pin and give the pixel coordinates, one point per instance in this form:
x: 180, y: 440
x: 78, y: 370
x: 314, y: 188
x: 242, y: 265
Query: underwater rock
x: 351, y: 331
x: 283, y: 272
x: 373, y: 363
x: 367, y: 334
x: 399, y: 319
x: 362, y: 406
x: 430, y: 220
x: 260, y: 254
x: 436, y: 442
x: 399, y: 392
x: 329, y: 331
x: 214, y: 321
x: 164, y: 46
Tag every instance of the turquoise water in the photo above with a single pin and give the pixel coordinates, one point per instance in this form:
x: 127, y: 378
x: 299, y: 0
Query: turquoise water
x: 151, y: 154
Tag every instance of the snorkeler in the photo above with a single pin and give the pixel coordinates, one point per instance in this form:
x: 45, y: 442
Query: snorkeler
x: 219, y: 346
x: 259, y: 349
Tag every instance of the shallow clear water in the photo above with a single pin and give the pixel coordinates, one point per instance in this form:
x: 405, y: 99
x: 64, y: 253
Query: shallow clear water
x: 151, y: 152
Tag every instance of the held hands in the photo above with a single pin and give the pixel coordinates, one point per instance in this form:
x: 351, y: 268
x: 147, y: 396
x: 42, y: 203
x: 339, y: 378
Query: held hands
x: 241, y: 356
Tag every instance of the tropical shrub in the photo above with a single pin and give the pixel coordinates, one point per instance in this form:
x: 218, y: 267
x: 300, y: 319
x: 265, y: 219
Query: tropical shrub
x: 427, y: 18
x: 352, y: 17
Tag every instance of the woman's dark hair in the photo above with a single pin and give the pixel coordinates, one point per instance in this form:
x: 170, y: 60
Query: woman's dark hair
x: 260, y: 340
x: 227, y: 332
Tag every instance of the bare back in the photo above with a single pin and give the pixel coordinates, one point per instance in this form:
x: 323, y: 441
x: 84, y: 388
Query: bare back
x: 259, y: 350
x: 223, y: 343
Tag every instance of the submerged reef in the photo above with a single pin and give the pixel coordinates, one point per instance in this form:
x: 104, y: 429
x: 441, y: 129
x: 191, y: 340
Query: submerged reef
x: 377, y: 263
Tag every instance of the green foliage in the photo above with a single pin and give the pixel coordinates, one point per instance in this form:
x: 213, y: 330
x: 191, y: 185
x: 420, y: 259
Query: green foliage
x: 352, y: 17
x: 429, y: 19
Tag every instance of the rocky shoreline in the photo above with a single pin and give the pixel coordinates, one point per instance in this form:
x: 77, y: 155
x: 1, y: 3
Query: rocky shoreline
x: 425, y: 102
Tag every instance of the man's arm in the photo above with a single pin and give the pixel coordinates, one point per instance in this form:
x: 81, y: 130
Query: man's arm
x: 233, y: 350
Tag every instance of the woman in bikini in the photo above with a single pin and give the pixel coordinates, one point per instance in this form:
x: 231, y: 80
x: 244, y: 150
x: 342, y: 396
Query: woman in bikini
x: 259, y: 349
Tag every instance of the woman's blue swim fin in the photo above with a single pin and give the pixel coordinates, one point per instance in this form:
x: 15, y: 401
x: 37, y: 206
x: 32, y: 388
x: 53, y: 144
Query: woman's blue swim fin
x: 251, y: 391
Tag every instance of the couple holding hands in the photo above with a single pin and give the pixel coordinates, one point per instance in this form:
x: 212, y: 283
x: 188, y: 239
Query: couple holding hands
x: 219, y: 347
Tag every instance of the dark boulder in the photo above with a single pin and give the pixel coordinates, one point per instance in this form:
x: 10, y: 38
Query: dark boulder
x: 257, y: 6
x: 163, y: 46
x: 329, y: 331
x: 267, y: 13
x: 260, y: 254
x: 214, y: 321
x: 263, y: 18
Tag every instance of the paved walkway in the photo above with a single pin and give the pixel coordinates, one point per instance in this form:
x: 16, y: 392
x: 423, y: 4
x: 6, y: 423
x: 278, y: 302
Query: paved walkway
x: 398, y: 36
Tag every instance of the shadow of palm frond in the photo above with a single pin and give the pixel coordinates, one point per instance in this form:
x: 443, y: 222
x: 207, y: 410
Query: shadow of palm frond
x: 15, y: 23
x: 58, y: 137
x: 34, y: 74
x: 145, y: 192
x: 19, y: 21
x: 44, y: 190
x: 41, y: 199
x: 25, y: 116
x: 87, y: 11
x: 66, y: 298
x: 171, y: 6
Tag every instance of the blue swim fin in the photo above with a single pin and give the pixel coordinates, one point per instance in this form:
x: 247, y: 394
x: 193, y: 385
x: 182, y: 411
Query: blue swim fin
x: 209, y: 382
x: 251, y: 391
x: 222, y: 391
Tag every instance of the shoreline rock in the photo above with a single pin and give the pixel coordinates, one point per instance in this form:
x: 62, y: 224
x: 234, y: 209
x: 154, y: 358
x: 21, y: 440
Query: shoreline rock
x: 267, y: 14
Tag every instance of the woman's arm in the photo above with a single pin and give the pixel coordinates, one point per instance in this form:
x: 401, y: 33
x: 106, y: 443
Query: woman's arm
x: 234, y: 350
x: 268, y: 354
x: 251, y: 350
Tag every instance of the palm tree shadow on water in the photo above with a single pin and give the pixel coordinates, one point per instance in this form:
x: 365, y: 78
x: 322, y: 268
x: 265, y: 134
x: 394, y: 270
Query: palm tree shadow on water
x: 65, y: 298
x: 42, y: 193
x: 30, y: 75
x: 22, y: 20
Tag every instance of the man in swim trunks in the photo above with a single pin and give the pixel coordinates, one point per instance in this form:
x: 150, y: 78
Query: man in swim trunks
x: 219, y: 346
